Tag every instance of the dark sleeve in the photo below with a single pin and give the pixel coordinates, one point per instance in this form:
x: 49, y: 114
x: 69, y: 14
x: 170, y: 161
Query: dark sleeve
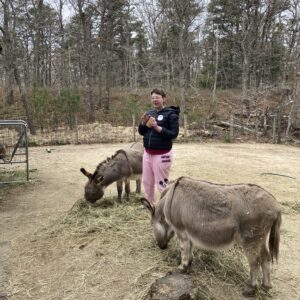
x: 142, y: 129
x: 173, y: 127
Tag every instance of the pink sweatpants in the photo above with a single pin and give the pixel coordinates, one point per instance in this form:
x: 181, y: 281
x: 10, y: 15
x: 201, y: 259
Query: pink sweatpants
x: 156, y: 169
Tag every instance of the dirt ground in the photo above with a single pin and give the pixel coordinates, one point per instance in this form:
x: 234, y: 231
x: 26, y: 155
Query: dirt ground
x: 44, y: 255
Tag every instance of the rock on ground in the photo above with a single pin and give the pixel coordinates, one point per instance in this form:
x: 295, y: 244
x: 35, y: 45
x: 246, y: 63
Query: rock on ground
x: 173, y: 287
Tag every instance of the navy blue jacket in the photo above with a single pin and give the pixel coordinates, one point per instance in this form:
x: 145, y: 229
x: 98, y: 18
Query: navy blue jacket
x: 167, y: 118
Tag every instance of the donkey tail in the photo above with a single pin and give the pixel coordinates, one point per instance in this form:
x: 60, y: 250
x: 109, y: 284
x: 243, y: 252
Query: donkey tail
x: 274, y: 238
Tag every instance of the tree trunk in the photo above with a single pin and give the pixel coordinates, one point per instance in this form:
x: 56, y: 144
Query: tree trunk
x: 295, y: 106
x: 279, y: 119
x: 62, y: 67
x: 182, y: 81
x: 108, y: 57
x: 87, y: 63
x: 25, y: 101
x: 214, y: 97
x: 8, y: 56
x: 37, y: 44
x: 245, y: 69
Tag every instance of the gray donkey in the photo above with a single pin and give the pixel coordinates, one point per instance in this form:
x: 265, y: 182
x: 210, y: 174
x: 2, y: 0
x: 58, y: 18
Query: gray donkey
x: 214, y: 216
x: 123, y: 166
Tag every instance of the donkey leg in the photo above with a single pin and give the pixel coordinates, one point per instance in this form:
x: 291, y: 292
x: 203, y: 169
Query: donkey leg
x: 120, y: 190
x: 266, y: 267
x: 138, y: 186
x: 253, y: 256
x: 186, y: 248
x: 127, y: 188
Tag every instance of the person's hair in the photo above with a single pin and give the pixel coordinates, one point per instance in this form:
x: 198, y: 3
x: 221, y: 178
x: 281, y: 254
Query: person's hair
x: 158, y: 92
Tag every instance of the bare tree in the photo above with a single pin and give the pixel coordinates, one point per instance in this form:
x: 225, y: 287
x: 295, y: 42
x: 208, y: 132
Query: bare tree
x: 85, y: 46
x: 9, y: 43
x: 182, y: 15
x: 8, y: 51
x: 293, y: 62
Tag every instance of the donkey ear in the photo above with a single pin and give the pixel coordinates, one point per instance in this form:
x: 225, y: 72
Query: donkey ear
x: 147, y: 204
x: 86, y: 173
x: 98, y: 179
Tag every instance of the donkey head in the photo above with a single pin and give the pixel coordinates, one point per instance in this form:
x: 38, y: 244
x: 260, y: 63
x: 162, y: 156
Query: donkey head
x: 94, y: 188
x: 162, y: 230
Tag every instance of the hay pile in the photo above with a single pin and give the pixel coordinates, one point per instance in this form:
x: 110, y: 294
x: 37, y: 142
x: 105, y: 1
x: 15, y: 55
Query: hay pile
x: 219, y: 275
x: 107, y: 251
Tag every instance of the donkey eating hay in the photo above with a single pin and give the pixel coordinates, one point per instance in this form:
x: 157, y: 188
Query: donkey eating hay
x: 124, y: 165
x: 214, y: 216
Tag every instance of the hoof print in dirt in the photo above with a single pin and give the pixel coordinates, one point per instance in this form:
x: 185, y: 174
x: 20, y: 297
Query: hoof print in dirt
x: 172, y: 287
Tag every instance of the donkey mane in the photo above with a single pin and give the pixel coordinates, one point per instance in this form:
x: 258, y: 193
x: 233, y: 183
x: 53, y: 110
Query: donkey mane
x: 109, y: 160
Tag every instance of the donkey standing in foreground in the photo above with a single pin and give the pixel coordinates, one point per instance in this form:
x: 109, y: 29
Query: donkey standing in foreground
x: 214, y: 216
x: 124, y: 165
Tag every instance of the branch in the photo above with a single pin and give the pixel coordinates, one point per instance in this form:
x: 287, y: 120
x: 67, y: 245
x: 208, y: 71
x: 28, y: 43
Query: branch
x: 276, y: 174
x: 227, y: 124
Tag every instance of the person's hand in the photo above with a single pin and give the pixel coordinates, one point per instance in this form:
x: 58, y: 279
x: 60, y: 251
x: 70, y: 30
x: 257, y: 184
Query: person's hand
x: 144, y: 118
x: 155, y: 126
x: 151, y: 122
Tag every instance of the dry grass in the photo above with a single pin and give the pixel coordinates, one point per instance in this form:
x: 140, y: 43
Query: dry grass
x: 108, y: 252
x: 12, y: 175
x: 291, y: 207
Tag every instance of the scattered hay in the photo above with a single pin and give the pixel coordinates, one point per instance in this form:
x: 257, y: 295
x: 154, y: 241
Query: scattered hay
x: 290, y: 207
x: 121, y: 236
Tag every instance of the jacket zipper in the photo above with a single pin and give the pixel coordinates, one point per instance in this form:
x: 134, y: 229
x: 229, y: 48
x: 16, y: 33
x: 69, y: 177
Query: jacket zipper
x: 150, y: 138
x: 151, y: 132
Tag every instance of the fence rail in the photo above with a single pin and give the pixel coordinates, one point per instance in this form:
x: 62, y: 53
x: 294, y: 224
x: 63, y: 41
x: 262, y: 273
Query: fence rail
x: 14, y: 142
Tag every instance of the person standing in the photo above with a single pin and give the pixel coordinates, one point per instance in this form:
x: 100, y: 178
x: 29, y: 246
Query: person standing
x: 159, y: 127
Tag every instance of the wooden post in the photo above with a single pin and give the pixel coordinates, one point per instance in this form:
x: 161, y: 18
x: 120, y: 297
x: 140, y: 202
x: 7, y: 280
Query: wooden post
x: 231, y: 128
x: 76, y: 131
x: 274, y: 130
x: 185, y: 132
x: 265, y: 124
x: 256, y: 125
x: 133, y: 127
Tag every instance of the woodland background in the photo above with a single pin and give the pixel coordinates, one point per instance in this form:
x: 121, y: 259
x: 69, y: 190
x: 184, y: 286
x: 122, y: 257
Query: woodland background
x: 70, y: 62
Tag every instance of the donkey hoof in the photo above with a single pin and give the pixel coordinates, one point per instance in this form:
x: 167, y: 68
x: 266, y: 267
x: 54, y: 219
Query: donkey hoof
x: 119, y: 200
x: 175, y: 271
x: 182, y: 269
x: 266, y: 288
x: 249, y: 291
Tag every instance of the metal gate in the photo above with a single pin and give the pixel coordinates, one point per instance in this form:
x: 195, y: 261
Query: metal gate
x: 14, y: 163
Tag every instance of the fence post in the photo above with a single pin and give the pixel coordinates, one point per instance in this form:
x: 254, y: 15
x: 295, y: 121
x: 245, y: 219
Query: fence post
x: 256, y: 125
x: 133, y: 127
x: 231, y: 128
x: 274, y: 130
x: 76, y: 131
